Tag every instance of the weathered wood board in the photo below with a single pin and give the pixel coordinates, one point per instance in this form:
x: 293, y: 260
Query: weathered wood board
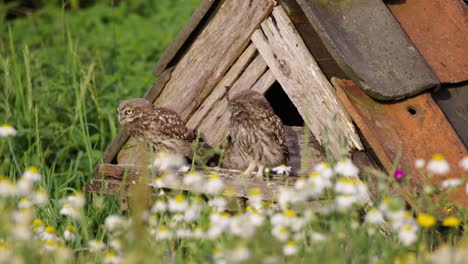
x: 212, y: 53
x: 370, y: 46
x: 308, y: 89
x: 189, y: 30
x: 439, y: 30
x: 115, y: 174
x: 407, y: 130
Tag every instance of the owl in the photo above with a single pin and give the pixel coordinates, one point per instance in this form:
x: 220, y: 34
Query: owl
x: 158, y: 128
x: 256, y: 132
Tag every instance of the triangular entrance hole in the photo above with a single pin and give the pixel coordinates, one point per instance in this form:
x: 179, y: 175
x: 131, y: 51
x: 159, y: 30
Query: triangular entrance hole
x: 283, y: 107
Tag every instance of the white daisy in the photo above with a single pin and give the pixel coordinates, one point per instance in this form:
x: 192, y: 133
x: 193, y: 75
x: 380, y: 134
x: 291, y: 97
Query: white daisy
x: 114, y: 222
x: 32, y: 174
x: 214, y: 185
x: 290, y: 248
x: 112, y: 258
x: 464, y: 163
x: 450, y: 183
x: 96, y: 245
x: 346, y: 168
x: 178, y: 203
x: 70, y: 233
x: 7, y: 187
x: 324, y: 169
x: 374, y: 216
x: 419, y: 163
x: 7, y: 131
x: 408, y: 234
x: 438, y: 165
x: 282, y: 169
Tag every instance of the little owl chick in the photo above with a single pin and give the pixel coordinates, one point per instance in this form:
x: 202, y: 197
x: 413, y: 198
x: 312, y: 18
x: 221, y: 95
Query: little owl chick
x: 158, y: 128
x: 257, y: 133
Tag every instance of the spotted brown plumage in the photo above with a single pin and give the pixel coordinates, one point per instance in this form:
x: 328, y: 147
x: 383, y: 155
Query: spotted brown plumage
x: 257, y: 133
x: 158, y: 128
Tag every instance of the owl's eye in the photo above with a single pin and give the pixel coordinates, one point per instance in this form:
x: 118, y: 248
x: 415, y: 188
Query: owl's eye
x: 129, y: 112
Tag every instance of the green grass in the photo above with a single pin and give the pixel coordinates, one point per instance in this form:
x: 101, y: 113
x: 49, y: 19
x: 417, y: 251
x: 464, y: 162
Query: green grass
x: 62, y: 74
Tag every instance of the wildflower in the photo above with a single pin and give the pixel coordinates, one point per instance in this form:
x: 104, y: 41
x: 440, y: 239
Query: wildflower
x: 178, y: 204
x: 324, y: 169
x: 280, y: 232
x: 192, y: 213
x: 63, y: 254
x: 241, y: 226
x: 255, y: 218
x: 116, y: 244
x: 450, y: 183
x: 464, y: 163
x: 159, y: 206
x: 290, y: 248
x: 163, y: 233
x: 346, y: 168
x: 239, y: 254
x: 158, y: 183
x: 32, y: 174
x: 96, y: 245
x: 255, y: 198
x: 70, y: 233
x: 38, y: 225
x: 408, y: 234
x: 50, y: 245
x: 183, y: 233
x: 23, y: 216
x: 344, y: 202
x: 49, y: 233
x: 451, y: 221
x: 194, y: 180
x: 114, y: 222
x: 171, y: 180
x: 40, y: 197
x: 317, y: 184
x: 438, y: 165
x: 318, y: 237
x: 345, y: 186
x: 426, y: 220
x: 374, y: 216
x: 399, y: 174
x: 77, y: 200
x: 71, y: 211
x: 24, y: 186
x: 7, y: 131
x: 168, y: 161
x: 5, y: 252
x: 112, y: 258
x: 7, y: 187
x: 215, y: 184
x: 419, y: 163
x: 24, y: 203
x: 282, y: 169
x: 218, y: 203
x: 21, y: 232
x: 288, y: 195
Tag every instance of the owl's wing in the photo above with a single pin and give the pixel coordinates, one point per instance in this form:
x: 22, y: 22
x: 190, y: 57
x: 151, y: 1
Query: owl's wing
x: 278, y: 133
x: 170, y: 124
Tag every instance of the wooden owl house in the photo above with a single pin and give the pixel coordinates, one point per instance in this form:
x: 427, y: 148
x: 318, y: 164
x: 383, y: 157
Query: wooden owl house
x: 363, y: 78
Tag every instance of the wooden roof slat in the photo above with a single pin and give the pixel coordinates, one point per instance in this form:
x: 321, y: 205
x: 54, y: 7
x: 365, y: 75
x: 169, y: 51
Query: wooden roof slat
x: 370, y: 46
x: 189, y: 29
x: 209, y: 57
x: 301, y: 78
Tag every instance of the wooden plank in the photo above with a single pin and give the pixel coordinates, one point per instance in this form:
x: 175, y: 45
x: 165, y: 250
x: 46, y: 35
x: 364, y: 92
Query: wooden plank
x: 370, y: 46
x: 218, y: 92
x: 309, y: 90
x: 439, y: 30
x: 218, y: 116
x: 312, y: 40
x: 212, y: 53
x: 122, y: 137
x: 189, y: 30
x: 407, y: 130
x: 115, y: 173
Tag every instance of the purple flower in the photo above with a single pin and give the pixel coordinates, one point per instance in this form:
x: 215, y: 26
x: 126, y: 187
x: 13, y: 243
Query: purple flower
x: 399, y: 174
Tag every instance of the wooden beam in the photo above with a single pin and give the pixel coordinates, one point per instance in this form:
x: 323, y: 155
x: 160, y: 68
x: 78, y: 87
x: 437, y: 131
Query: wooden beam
x: 301, y: 78
x: 212, y: 53
x: 112, y: 175
x: 189, y: 29
x: 219, y: 91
